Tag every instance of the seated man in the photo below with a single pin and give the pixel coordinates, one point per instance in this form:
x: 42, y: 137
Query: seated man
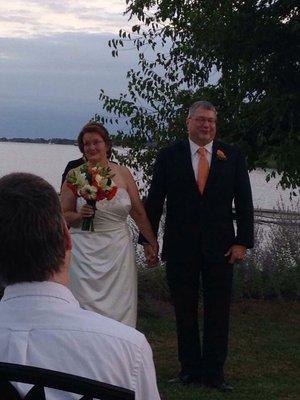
x: 41, y: 323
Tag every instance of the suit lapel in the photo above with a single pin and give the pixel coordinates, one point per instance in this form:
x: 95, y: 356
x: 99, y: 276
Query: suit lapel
x: 187, y: 161
x: 213, y: 166
x: 188, y: 168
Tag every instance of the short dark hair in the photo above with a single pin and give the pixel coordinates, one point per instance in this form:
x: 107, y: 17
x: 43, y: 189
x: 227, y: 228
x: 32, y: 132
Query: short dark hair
x: 31, y: 229
x: 203, y: 104
x: 96, y: 127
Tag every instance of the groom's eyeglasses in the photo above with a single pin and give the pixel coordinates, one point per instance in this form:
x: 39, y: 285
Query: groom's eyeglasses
x: 202, y: 120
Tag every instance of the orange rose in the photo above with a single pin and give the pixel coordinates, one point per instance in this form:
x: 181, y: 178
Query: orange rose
x: 111, y: 193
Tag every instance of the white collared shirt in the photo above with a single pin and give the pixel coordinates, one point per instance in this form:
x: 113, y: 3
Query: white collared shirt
x: 195, y: 156
x: 41, y: 324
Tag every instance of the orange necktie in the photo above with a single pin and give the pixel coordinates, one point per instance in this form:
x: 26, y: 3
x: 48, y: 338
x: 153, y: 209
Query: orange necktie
x: 203, y: 169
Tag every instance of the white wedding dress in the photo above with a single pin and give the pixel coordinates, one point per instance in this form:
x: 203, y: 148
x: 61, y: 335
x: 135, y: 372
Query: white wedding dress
x: 103, y: 275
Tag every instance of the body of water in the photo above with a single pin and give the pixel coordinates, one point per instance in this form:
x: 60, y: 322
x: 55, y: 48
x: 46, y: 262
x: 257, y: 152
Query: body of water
x: 49, y: 161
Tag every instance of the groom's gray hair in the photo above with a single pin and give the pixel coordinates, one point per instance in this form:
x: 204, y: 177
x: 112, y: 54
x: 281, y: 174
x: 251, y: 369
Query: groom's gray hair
x: 203, y: 104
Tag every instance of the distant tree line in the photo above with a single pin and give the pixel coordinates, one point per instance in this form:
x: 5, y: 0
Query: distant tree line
x: 117, y: 141
x: 39, y: 140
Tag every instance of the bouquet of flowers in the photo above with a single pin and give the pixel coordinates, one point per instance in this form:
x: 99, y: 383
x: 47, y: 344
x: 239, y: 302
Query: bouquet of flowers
x: 92, y: 184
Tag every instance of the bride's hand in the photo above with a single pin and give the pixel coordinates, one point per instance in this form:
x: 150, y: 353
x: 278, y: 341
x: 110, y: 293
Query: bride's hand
x: 151, y: 254
x: 86, y: 211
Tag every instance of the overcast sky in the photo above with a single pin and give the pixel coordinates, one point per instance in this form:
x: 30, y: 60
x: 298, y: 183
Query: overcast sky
x: 54, y: 60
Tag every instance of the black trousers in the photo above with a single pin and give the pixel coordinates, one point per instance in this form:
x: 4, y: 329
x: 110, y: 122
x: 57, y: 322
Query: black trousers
x: 204, y: 359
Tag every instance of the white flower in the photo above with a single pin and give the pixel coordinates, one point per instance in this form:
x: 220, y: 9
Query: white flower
x: 99, y: 179
x: 79, y: 179
x: 88, y: 192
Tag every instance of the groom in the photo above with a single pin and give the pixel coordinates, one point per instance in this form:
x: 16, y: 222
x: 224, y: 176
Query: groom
x: 200, y: 177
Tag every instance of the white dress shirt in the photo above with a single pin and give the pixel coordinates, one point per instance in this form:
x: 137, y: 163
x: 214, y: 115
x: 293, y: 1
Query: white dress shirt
x: 41, y: 324
x: 195, y: 156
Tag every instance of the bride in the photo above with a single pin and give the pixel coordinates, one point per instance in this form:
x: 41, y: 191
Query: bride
x: 103, y: 272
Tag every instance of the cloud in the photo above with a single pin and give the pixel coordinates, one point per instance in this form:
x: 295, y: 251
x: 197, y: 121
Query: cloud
x: 21, y: 17
x: 34, y: 18
x: 54, y: 60
x: 50, y: 85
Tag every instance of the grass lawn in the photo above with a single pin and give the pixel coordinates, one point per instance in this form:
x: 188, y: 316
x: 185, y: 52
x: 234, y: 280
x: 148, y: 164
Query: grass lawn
x: 264, y: 352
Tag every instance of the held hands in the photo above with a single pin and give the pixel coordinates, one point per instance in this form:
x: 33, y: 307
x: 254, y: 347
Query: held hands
x: 236, y: 253
x: 151, y: 254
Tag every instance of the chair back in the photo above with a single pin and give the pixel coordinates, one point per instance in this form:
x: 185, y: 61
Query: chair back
x: 41, y: 378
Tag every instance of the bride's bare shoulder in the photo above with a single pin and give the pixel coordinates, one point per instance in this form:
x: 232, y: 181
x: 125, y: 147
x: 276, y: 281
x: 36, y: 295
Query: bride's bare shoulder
x: 118, y: 168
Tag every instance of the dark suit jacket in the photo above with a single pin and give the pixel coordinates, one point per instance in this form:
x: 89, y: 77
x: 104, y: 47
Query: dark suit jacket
x: 71, y: 164
x: 200, y: 224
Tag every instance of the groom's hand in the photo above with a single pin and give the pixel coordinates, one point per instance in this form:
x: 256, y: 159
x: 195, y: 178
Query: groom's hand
x: 236, y: 253
x: 151, y: 255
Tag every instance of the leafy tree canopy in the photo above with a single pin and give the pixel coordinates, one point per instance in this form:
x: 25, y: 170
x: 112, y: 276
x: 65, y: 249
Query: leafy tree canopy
x: 242, y: 55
